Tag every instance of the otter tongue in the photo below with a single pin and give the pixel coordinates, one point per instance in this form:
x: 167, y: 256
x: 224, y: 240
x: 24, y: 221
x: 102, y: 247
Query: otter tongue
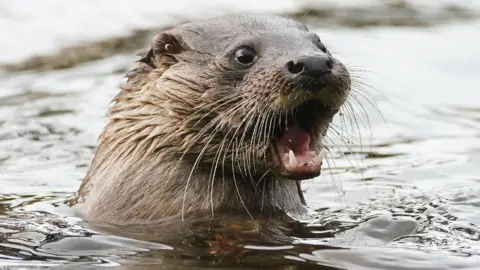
x: 297, y: 139
x: 295, y: 152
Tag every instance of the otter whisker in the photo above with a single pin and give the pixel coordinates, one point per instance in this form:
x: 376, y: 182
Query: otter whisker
x: 249, y: 119
x: 243, y: 124
x: 256, y: 127
x: 370, y: 101
x: 350, y: 112
x: 238, y: 193
x: 249, y: 150
x: 260, y: 121
x: 197, y: 161
x: 267, y: 135
x: 212, y: 123
x: 341, y: 134
x: 337, y: 185
x: 263, y: 196
x: 354, y: 122
x: 356, y: 70
x: 362, y: 88
x: 348, y: 142
x: 230, y: 99
x: 202, y: 131
x: 218, y: 155
x: 234, y: 151
x: 233, y: 171
x: 263, y: 132
x: 213, y: 169
x: 364, y: 115
x: 230, y: 144
x: 355, y: 99
x: 212, y: 136
x: 329, y: 157
x: 344, y: 137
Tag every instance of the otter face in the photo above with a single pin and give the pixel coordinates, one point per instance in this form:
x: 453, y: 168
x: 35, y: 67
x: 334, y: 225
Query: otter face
x: 255, y: 92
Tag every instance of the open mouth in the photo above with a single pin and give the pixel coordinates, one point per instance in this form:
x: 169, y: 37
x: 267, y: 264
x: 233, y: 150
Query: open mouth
x: 297, y: 142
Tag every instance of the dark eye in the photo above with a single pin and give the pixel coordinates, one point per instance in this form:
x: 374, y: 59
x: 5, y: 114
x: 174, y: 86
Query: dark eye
x: 245, y: 55
x: 321, y: 46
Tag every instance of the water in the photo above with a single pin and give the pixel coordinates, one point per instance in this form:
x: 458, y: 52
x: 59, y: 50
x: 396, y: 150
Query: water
x: 407, y: 196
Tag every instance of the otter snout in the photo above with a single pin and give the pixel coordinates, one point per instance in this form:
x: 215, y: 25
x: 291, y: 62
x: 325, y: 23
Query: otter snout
x: 312, y: 65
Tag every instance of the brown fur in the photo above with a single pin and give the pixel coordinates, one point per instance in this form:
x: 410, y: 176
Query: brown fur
x: 190, y: 132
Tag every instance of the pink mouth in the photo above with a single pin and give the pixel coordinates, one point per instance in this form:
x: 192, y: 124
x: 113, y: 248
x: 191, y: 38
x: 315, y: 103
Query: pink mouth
x: 297, y: 152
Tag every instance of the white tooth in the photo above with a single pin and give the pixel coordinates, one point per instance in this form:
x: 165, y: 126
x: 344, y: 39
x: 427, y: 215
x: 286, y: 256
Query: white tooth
x: 292, y: 159
x: 312, y: 153
x: 311, y: 163
x: 303, y: 164
x: 318, y: 159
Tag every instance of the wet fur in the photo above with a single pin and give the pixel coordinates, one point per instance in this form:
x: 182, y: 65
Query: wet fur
x: 189, y: 133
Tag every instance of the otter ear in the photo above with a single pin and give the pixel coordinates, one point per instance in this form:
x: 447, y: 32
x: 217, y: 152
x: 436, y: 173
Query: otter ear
x: 164, y: 47
x: 166, y: 43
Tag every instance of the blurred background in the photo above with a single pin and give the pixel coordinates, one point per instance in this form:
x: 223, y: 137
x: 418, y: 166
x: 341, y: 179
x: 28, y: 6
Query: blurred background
x: 404, y: 172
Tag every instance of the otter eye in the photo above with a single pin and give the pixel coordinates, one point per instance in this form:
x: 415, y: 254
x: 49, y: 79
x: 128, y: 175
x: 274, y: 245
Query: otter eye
x: 245, y: 55
x: 321, y: 46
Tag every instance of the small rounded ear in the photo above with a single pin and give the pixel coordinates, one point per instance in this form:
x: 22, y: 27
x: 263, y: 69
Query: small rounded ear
x: 166, y: 43
x: 164, y: 47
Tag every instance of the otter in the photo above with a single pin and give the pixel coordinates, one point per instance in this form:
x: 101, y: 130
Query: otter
x: 225, y: 115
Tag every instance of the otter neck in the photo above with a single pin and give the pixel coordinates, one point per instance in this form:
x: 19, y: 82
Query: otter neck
x: 159, y: 187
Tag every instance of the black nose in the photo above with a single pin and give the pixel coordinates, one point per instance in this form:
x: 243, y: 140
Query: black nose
x: 314, y: 66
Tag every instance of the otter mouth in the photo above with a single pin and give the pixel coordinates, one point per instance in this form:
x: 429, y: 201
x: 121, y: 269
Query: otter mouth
x: 298, y: 144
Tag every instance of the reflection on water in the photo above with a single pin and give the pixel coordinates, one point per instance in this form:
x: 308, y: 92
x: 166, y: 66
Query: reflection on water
x: 406, y: 196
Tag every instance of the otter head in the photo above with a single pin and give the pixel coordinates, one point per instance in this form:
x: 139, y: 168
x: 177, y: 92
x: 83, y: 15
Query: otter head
x: 246, y: 94
x: 234, y: 97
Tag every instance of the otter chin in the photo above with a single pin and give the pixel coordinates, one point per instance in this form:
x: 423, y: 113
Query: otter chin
x: 221, y: 116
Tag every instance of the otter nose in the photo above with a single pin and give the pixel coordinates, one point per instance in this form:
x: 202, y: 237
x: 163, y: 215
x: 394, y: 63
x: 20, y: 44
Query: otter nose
x: 314, y: 66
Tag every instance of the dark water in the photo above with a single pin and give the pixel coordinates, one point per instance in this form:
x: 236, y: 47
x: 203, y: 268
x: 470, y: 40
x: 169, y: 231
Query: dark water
x: 401, y: 189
